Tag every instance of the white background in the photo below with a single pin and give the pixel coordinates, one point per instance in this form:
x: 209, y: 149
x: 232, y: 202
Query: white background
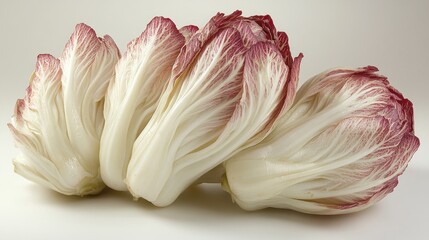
x: 392, y: 35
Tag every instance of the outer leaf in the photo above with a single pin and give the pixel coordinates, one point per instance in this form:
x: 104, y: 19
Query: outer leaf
x: 190, y: 117
x: 52, y: 131
x: 190, y: 147
x: 88, y: 66
x: 339, y: 149
x: 40, y: 132
x: 141, y: 76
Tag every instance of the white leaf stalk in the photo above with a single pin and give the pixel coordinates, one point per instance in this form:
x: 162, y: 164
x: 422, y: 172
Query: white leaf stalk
x: 58, y: 124
x: 228, y: 86
x: 339, y: 149
x: 141, y: 76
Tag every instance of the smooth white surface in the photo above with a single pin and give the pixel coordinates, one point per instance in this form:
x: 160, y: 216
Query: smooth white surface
x: 391, y: 35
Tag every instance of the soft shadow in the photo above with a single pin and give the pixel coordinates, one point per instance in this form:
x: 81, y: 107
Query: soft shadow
x: 208, y: 203
x: 48, y: 196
